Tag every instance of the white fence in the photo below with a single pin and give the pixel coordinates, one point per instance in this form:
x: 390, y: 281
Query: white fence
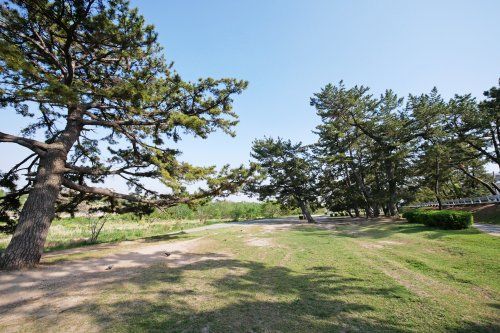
x: 461, y: 202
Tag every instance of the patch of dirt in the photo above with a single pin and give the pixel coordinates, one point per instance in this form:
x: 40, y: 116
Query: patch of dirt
x: 260, y: 242
x: 51, y: 289
x: 379, y: 244
x: 371, y: 246
x: 269, y: 228
x: 390, y: 243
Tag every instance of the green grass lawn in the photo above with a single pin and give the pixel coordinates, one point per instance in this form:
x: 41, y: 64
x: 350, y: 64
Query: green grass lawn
x: 382, y: 277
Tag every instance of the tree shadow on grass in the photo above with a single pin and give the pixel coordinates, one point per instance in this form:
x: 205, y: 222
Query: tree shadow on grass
x: 378, y: 230
x: 177, y: 235
x: 212, y: 292
x: 243, y: 296
x: 468, y: 327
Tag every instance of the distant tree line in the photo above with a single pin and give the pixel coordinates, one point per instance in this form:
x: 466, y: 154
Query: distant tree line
x: 226, y: 210
x: 374, y: 154
x: 213, y: 210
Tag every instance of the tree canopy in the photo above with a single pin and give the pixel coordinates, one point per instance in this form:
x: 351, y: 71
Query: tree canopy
x: 379, y: 153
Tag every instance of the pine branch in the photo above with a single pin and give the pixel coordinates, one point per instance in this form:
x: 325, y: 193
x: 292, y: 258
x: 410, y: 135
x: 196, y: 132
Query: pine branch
x: 34, y: 145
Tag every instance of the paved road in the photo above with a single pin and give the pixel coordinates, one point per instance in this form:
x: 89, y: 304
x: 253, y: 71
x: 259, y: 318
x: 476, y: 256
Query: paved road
x: 491, y: 229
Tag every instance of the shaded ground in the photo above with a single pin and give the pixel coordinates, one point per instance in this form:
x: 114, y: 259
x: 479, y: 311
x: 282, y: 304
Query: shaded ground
x: 266, y: 276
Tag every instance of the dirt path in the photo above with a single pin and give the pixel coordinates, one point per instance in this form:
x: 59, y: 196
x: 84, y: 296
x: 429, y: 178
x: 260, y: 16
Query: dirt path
x: 55, y: 288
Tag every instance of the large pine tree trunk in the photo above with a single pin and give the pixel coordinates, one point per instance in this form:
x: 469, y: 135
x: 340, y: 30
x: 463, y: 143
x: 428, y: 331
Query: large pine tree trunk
x: 26, y: 247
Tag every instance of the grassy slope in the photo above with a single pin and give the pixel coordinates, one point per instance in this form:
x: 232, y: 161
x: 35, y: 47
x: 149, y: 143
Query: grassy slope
x: 488, y: 214
x: 384, y: 277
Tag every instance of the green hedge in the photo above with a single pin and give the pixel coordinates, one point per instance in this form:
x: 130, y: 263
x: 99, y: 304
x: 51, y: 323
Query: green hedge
x: 444, y: 219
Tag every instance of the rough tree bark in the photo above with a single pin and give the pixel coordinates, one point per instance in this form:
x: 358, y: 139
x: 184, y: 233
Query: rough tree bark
x: 26, y: 246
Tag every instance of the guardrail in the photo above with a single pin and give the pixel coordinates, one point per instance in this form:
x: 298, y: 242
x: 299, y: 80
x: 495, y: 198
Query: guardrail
x: 461, y: 202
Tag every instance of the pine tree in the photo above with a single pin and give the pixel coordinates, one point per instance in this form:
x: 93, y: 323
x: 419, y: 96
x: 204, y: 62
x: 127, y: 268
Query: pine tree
x: 91, y: 77
x: 287, y: 174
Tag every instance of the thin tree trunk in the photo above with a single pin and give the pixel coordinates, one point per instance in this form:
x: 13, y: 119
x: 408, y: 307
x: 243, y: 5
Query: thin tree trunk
x: 365, y: 194
x: 391, y: 182
x: 349, y: 186
x: 356, y: 211
x: 496, y: 187
x: 26, y: 246
x: 304, y: 207
x: 436, y: 185
x: 440, y: 204
x: 496, y: 143
x: 386, y: 210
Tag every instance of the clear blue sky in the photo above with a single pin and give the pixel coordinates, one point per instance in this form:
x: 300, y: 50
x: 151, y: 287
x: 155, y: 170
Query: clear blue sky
x: 288, y: 50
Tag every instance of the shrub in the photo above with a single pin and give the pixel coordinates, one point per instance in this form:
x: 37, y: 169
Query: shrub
x: 411, y: 215
x: 444, y: 219
x: 270, y: 209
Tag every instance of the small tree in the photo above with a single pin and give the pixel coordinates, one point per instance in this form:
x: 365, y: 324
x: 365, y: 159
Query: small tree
x: 96, y: 224
x: 92, y: 78
x: 270, y: 209
x: 287, y: 174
